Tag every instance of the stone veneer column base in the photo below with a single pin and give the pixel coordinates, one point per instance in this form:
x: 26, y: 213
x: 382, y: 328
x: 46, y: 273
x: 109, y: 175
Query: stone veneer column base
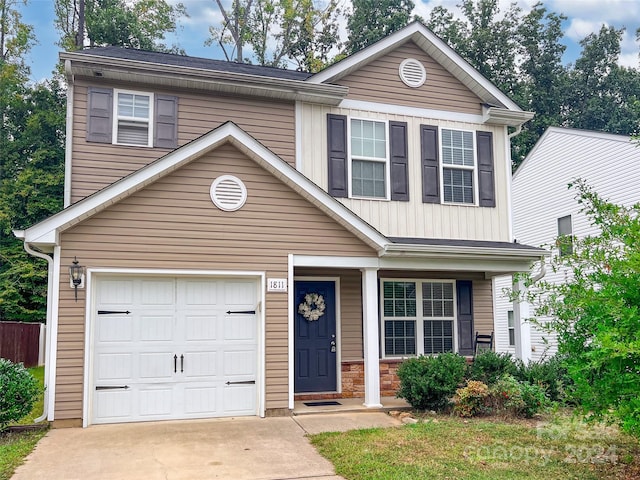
x: 353, y: 381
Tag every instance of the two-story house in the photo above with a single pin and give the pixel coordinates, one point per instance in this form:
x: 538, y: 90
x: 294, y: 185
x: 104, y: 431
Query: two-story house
x: 243, y: 237
x: 545, y: 208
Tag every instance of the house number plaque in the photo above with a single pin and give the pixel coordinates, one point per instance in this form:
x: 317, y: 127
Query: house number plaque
x: 276, y: 285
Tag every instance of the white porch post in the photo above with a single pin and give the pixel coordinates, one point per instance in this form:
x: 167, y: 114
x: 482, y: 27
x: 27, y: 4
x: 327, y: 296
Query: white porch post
x: 370, y: 338
x: 521, y: 325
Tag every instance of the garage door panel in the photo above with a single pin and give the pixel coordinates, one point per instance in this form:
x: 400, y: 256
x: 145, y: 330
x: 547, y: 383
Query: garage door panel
x: 176, y: 350
x: 201, y: 327
x: 157, y: 328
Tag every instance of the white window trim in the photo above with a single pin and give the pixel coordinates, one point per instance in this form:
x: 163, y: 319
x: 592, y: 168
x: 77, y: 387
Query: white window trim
x: 386, y: 161
x: 509, y: 328
x: 420, y: 318
x: 116, y: 93
x: 459, y: 167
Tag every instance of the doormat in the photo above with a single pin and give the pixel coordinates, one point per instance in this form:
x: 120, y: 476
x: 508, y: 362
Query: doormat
x: 321, y: 404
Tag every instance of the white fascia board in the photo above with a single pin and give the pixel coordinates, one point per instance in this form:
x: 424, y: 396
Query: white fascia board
x: 47, y: 230
x: 502, y: 116
x: 453, y: 251
x: 394, y: 109
x: 417, y: 32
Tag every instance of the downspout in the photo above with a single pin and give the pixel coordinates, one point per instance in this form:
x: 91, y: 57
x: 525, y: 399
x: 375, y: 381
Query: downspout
x: 517, y: 132
x: 47, y: 362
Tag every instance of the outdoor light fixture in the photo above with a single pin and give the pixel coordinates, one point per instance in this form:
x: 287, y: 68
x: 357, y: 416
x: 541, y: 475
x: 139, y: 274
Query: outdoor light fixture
x: 76, y: 273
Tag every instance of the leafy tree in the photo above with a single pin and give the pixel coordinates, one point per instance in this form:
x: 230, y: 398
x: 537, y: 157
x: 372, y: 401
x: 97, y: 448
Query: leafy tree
x: 596, y: 312
x: 278, y: 32
x: 139, y: 24
x: 372, y: 20
x: 16, y: 37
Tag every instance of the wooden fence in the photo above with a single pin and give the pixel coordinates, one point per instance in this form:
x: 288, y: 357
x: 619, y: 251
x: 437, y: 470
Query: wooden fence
x: 22, y: 342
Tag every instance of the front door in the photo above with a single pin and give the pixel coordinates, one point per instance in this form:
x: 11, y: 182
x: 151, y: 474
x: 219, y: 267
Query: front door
x: 315, y: 336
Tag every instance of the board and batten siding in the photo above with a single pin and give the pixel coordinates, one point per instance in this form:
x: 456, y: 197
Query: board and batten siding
x: 172, y: 224
x: 379, y: 81
x: 97, y: 165
x: 610, y: 164
x: 413, y: 218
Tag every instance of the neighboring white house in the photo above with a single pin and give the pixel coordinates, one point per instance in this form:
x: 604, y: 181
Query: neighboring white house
x: 544, y: 207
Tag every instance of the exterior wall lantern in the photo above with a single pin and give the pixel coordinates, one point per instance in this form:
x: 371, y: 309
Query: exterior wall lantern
x: 76, y: 274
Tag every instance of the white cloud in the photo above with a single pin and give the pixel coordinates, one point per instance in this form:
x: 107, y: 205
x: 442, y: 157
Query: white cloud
x: 610, y: 11
x: 580, y: 28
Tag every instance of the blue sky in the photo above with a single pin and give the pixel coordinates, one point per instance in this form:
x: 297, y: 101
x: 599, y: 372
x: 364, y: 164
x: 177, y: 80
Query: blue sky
x: 584, y: 17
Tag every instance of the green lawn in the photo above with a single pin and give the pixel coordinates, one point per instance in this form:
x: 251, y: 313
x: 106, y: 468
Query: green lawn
x: 14, y: 447
x: 451, y: 448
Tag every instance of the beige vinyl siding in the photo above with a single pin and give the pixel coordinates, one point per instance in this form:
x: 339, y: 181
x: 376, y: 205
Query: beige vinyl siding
x: 379, y: 81
x: 97, y: 165
x: 172, y: 224
x: 413, y: 218
x: 350, y: 308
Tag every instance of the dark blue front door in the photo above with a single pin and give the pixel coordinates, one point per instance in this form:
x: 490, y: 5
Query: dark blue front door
x: 315, y: 340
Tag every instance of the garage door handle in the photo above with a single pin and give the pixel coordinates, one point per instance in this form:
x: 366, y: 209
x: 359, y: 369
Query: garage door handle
x: 181, y: 363
x: 112, y: 387
x: 246, y: 382
x: 175, y: 363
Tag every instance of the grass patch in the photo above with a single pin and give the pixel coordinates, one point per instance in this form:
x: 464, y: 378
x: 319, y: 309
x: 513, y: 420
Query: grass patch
x: 15, y: 446
x: 451, y: 448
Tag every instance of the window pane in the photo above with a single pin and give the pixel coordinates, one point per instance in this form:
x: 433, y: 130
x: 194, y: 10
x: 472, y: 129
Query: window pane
x: 438, y: 336
x: 125, y: 104
x: 437, y: 299
x: 368, y: 139
x: 457, y: 148
x: 133, y: 133
x: 399, y: 299
x: 458, y: 185
x: 400, y: 337
x: 510, y: 318
x: 565, y: 242
x: 368, y: 179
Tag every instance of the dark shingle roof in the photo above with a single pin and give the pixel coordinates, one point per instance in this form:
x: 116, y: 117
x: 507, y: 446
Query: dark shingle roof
x: 464, y: 243
x: 194, y: 62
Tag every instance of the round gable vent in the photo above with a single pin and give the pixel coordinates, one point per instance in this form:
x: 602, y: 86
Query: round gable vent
x: 412, y: 73
x: 228, y: 193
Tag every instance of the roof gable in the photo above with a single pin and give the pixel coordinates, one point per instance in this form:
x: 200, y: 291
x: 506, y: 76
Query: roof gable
x: 47, y: 232
x: 432, y: 46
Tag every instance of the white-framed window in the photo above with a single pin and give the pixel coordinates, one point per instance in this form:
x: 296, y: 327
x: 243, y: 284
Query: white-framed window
x: 132, y: 119
x: 369, y: 159
x: 565, y: 232
x: 511, y: 329
x: 418, y: 317
x: 458, y: 163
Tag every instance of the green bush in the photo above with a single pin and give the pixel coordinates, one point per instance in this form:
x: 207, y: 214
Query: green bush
x: 520, y: 399
x: 472, y: 399
x: 18, y: 392
x: 489, y: 366
x: 428, y: 382
x: 550, y: 374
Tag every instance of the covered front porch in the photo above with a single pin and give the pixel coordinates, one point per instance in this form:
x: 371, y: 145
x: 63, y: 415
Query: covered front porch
x: 376, y: 312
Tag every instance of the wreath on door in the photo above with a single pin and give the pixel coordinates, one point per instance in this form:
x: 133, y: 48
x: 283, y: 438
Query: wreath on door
x: 313, y: 307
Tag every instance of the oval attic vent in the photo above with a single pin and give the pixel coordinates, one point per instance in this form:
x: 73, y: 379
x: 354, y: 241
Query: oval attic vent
x: 228, y: 193
x: 412, y: 73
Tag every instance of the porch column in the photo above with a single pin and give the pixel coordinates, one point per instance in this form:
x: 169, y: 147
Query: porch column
x: 370, y: 337
x: 521, y: 325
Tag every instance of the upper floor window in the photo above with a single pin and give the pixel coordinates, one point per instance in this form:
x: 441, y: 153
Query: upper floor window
x: 418, y: 317
x: 565, y: 242
x: 132, y: 122
x: 369, y: 159
x: 458, y: 166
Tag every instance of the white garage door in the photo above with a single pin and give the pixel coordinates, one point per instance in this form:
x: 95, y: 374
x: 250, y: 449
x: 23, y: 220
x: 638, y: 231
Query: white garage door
x: 172, y: 348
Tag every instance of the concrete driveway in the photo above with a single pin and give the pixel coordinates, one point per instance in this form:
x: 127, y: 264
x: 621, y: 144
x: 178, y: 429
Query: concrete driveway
x: 235, y: 448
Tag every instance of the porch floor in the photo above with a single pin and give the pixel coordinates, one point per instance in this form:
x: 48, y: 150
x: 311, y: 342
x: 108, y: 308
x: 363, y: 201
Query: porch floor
x: 350, y: 405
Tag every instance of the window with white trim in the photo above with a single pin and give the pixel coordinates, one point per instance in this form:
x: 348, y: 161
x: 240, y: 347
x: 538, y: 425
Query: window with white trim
x: 418, y: 317
x: 565, y: 239
x: 132, y: 123
x: 511, y: 329
x: 369, y: 160
x: 458, y: 166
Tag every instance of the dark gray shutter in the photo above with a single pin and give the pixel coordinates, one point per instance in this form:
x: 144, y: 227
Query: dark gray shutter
x: 430, y: 168
x: 337, y: 154
x: 464, y: 295
x: 399, y: 161
x: 165, y: 132
x: 99, y: 115
x: 486, y: 184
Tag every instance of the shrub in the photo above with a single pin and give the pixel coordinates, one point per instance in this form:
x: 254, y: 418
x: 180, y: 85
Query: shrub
x: 428, y: 382
x: 18, y: 392
x: 550, y: 374
x: 521, y: 399
x: 489, y: 366
x: 472, y: 399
